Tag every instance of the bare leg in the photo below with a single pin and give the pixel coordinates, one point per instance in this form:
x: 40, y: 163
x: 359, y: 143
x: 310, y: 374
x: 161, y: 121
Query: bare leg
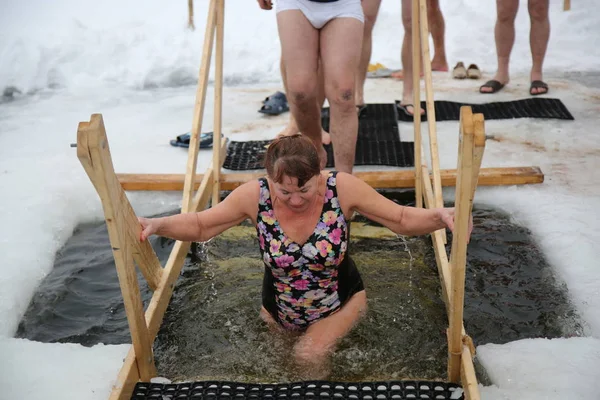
x: 300, y: 53
x: 370, y: 10
x: 437, y: 27
x: 407, y: 57
x: 313, y: 349
x: 538, y: 38
x: 341, y: 44
x: 292, y: 127
x: 505, y: 38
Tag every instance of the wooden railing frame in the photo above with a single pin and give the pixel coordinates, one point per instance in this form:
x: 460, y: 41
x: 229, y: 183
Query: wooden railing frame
x: 124, y: 230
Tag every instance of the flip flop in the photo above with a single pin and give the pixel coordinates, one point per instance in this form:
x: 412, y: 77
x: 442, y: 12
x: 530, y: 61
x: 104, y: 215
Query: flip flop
x: 275, y: 104
x: 538, y: 85
x: 206, y: 140
x: 361, y: 109
x: 404, y: 109
x: 495, y: 85
x: 473, y: 72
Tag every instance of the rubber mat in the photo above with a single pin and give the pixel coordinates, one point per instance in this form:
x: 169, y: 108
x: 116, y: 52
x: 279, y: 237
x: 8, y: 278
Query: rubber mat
x: 539, y: 107
x: 250, y: 155
x: 378, y: 142
x: 421, y: 390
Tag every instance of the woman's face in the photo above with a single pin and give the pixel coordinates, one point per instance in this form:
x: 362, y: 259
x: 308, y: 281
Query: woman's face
x: 297, y: 198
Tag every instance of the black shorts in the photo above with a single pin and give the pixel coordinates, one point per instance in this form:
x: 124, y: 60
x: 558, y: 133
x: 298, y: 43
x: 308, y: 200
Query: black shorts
x: 349, y: 283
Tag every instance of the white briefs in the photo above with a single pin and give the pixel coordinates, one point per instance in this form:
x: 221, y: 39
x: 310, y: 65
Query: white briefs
x: 319, y: 14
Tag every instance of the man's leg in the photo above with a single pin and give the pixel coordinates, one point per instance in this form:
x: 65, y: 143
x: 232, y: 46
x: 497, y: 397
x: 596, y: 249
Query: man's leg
x: 437, y: 27
x: 341, y: 44
x: 538, y: 39
x: 370, y: 10
x: 407, y: 57
x: 505, y: 38
x: 292, y: 126
x: 300, y: 54
x: 312, y: 351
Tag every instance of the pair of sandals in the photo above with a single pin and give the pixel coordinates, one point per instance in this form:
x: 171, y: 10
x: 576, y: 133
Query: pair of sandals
x: 497, y: 86
x: 460, y: 72
x: 275, y: 104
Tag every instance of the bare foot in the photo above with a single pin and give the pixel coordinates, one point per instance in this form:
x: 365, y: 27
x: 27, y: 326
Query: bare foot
x: 400, y: 74
x: 325, y: 137
x: 441, y: 66
x: 289, y: 130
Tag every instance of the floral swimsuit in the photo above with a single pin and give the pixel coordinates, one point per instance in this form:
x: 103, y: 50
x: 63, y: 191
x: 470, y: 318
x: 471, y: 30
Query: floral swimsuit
x: 302, y: 281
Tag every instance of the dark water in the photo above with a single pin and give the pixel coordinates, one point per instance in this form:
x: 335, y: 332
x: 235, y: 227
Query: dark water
x: 80, y: 300
x: 212, y: 330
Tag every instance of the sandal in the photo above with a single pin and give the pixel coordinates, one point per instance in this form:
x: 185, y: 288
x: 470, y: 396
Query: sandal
x: 404, y: 109
x: 275, y: 104
x: 473, y: 72
x: 459, y: 71
x: 206, y: 140
x: 538, y: 85
x: 495, y: 85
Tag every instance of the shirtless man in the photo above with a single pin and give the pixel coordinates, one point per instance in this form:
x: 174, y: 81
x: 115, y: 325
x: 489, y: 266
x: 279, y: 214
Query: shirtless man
x: 329, y: 31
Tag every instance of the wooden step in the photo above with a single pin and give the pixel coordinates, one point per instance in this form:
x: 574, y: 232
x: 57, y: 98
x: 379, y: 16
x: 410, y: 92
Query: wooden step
x: 377, y: 179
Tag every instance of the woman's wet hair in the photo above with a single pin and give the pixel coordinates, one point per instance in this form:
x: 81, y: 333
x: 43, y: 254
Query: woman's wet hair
x: 293, y: 156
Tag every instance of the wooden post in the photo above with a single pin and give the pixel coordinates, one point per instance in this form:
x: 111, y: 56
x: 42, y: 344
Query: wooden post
x: 431, y: 123
x: 94, y: 154
x: 191, y: 15
x: 416, y: 64
x: 567, y: 5
x: 218, y: 110
x: 190, y: 174
x: 463, y: 205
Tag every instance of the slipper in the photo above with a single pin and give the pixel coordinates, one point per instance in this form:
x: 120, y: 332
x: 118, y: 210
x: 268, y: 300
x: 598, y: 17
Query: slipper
x: 459, y: 71
x: 276, y: 94
x: 473, y: 72
x: 404, y: 109
x: 206, y: 140
x: 275, y: 104
x: 538, y: 85
x: 361, y: 109
x: 494, y: 85
x: 381, y: 73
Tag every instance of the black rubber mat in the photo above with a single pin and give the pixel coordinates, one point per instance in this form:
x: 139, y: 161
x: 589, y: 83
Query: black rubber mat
x: 421, y: 390
x: 250, y: 155
x: 537, y: 107
x: 378, y: 142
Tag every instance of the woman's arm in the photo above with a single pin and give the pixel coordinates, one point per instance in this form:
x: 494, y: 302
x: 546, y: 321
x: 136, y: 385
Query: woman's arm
x: 356, y: 195
x: 241, y: 204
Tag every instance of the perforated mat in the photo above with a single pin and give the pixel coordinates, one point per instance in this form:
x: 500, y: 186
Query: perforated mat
x: 538, y: 107
x: 400, y: 390
x: 378, y: 143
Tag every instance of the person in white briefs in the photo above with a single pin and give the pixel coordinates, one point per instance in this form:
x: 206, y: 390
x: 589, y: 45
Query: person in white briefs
x: 330, y: 31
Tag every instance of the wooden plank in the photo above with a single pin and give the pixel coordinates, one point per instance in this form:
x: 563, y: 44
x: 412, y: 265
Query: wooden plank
x: 218, y: 107
x: 191, y: 15
x: 377, y: 179
x: 128, y: 377
x: 431, y: 121
x: 439, y: 248
x: 416, y: 64
x: 458, y: 256
x: 468, y: 378
x: 93, y: 150
x: 199, y: 108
